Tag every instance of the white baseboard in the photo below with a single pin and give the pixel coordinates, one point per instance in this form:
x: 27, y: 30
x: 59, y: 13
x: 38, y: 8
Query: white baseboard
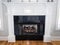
x: 47, y: 38
x: 3, y: 38
x: 55, y: 38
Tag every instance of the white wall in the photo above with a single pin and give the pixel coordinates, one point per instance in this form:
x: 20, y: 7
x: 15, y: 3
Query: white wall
x: 56, y: 32
x: 58, y: 15
x: 3, y: 30
x: 1, y: 18
x: 5, y: 19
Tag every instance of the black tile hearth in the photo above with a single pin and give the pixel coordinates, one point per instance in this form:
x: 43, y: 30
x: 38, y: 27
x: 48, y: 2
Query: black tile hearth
x: 29, y: 27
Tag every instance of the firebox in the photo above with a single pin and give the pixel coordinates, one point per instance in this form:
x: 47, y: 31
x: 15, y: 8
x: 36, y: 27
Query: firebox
x: 29, y: 27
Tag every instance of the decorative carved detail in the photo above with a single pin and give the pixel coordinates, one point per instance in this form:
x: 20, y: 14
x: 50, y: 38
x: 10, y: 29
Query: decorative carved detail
x: 21, y: 0
x: 29, y: 0
x: 8, y: 0
x: 49, y: 0
x: 36, y: 0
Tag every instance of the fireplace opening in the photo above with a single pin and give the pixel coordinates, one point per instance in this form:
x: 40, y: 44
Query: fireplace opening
x: 29, y: 27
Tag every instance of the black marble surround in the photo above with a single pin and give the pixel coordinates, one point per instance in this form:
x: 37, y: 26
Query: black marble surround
x: 19, y: 21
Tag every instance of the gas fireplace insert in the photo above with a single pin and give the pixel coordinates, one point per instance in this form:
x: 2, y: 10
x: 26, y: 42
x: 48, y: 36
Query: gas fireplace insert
x: 29, y: 27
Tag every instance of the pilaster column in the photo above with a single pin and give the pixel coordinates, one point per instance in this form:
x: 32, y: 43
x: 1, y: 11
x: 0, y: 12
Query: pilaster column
x: 11, y: 36
x: 50, y: 24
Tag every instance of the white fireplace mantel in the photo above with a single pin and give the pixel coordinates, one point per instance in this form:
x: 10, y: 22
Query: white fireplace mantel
x: 47, y: 9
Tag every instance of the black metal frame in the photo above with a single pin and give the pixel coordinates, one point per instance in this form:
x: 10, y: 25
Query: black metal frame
x: 29, y: 37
